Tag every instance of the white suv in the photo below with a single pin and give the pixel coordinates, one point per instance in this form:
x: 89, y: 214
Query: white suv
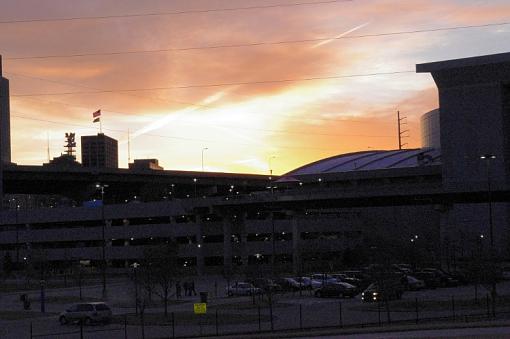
x: 86, y: 312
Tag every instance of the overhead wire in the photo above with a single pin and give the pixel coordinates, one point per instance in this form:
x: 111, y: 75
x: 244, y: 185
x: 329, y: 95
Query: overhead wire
x: 165, y: 136
x: 237, y: 127
x: 192, y: 11
x: 253, y: 44
x: 205, y: 106
x: 241, y: 83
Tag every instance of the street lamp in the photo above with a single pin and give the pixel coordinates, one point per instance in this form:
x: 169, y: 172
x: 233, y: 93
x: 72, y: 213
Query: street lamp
x: 17, y: 233
x: 414, y: 240
x: 487, y: 158
x: 135, y: 265
x: 203, y: 149
x: 269, y: 163
x: 195, y: 185
x: 102, y: 187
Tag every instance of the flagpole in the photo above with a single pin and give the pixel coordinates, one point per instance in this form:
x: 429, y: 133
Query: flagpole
x: 100, y: 125
x: 48, y: 145
x: 129, y: 149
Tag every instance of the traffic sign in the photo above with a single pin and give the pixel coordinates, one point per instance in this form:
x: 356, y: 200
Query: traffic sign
x: 200, y: 308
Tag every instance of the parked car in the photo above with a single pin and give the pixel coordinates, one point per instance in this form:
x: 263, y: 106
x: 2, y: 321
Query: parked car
x: 403, y: 268
x: 430, y: 279
x: 445, y: 279
x: 319, y: 283
x: 305, y: 282
x: 337, y: 290
x: 318, y: 280
x: 390, y: 291
x: 88, y: 313
x: 350, y: 280
x: 461, y: 276
x: 290, y: 284
x: 267, y: 285
x: 242, y: 288
x: 414, y: 284
x: 338, y: 276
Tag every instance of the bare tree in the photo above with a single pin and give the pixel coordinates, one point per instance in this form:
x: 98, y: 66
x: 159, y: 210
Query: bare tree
x: 159, y: 269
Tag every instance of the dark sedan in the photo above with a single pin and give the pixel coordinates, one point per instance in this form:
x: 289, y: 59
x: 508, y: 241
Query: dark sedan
x: 337, y: 290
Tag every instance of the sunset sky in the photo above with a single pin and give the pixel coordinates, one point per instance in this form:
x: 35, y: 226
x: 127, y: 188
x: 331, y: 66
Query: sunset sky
x: 176, y: 96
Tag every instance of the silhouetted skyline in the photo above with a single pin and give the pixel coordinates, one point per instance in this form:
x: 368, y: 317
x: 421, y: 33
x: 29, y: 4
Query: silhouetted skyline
x: 250, y: 113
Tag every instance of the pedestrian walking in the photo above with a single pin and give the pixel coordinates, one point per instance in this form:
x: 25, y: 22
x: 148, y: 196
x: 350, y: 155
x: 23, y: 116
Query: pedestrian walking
x: 178, y: 289
x: 192, y: 288
x: 186, y: 288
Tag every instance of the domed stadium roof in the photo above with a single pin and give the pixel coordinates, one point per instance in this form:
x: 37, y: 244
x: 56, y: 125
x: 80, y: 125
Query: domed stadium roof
x: 371, y: 160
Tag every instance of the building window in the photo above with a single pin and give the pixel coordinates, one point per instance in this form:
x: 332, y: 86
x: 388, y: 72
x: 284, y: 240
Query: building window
x: 213, y: 261
x: 216, y: 238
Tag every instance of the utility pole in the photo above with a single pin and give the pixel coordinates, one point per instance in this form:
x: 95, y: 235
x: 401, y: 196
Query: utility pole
x: 400, y: 122
x: 102, y: 187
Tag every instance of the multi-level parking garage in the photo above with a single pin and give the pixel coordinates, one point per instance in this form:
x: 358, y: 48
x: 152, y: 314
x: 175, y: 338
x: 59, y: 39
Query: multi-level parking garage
x: 332, y: 212
x: 302, y: 212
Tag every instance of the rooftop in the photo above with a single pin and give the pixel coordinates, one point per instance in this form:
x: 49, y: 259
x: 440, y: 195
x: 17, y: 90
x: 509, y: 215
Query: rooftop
x: 464, y: 62
x: 371, y: 160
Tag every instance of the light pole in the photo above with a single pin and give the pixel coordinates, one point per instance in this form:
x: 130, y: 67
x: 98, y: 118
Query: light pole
x: 488, y: 158
x: 17, y: 233
x: 135, y: 266
x: 102, y: 187
x: 203, y: 149
x: 269, y: 163
x: 414, y: 240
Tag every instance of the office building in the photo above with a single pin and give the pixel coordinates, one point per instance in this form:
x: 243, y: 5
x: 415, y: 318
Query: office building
x: 99, y: 151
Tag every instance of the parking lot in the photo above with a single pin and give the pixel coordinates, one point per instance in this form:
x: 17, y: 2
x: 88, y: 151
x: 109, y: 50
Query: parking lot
x: 290, y: 310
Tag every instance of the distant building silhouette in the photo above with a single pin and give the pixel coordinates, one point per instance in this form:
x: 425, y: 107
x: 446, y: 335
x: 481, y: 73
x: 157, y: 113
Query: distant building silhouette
x: 63, y: 162
x: 5, y: 120
x: 145, y: 164
x: 430, y: 130
x: 99, y: 151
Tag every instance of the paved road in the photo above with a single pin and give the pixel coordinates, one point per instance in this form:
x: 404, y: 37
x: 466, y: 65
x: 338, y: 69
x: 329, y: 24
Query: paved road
x: 480, y: 332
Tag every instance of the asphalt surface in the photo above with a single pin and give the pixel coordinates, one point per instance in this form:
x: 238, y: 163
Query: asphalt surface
x: 315, y: 312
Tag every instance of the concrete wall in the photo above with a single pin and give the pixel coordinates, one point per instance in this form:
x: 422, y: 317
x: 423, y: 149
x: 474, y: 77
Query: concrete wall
x: 76, y: 233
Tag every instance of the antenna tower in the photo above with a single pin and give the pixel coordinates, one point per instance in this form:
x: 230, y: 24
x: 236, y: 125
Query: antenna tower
x: 70, y: 144
x: 401, y: 133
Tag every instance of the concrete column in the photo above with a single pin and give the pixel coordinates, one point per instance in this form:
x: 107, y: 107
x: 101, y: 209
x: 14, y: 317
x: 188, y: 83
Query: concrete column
x: 227, y: 243
x: 241, y: 226
x: 296, y: 255
x: 199, y: 250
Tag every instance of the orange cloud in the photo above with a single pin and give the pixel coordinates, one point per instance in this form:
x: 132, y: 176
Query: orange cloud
x: 298, y: 121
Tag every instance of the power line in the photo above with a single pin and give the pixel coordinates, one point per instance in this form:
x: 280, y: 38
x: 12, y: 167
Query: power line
x: 260, y: 82
x: 157, y: 99
x: 165, y: 136
x: 253, y: 44
x: 196, y: 11
x: 231, y: 127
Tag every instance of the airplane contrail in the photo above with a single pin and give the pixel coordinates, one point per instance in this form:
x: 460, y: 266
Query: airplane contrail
x: 175, y: 115
x: 340, y: 35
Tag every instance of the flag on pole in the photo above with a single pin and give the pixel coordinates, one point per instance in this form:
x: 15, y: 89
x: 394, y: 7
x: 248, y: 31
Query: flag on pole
x: 96, y: 116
